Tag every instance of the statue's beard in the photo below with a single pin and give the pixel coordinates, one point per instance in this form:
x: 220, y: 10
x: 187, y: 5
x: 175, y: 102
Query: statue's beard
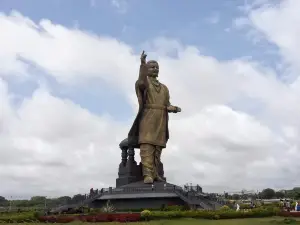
x: 155, y: 75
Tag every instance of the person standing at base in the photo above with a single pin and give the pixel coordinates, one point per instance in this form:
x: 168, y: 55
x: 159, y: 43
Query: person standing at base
x: 150, y: 129
x: 288, y: 206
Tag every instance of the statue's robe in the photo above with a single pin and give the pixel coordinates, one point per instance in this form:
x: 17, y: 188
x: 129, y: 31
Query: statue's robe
x: 151, y: 123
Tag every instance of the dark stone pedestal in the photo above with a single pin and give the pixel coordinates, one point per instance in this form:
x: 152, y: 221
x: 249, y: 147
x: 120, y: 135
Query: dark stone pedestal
x: 138, y: 195
x: 129, y: 171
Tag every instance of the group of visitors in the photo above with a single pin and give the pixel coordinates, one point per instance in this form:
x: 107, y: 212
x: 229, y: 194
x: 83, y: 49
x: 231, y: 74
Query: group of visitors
x: 287, y: 205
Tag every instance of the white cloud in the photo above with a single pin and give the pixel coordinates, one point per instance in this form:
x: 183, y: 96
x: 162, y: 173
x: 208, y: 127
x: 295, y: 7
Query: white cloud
x: 275, y: 22
x: 53, y: 146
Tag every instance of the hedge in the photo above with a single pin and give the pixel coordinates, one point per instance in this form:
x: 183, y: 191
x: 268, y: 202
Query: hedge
x: 18, y: 217
x: 206, y: 214
x: 271, y: 204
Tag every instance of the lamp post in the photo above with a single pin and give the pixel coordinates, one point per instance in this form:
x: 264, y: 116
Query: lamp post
x: 45, y: 203
x: 10, y: 202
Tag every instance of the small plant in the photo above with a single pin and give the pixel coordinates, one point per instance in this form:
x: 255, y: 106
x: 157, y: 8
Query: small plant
x: 216, y: 217
x: 145, y: 214
x: 108, y: 208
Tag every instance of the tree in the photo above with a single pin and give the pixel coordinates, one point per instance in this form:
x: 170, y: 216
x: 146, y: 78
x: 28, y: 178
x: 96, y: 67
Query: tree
x: 235, y: 197
x: 2, y: 199
x: 279, y: 194
x: 226, y: 195
x: 78, y: 198
x: 267, y: 193
x: 65, y: 199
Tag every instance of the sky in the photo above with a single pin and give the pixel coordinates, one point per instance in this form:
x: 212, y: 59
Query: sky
x: 67, y: 99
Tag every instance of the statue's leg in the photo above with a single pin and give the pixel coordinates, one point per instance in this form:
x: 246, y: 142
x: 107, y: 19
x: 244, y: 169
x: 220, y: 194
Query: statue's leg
x: 157, y: 155
x: 147, y: 159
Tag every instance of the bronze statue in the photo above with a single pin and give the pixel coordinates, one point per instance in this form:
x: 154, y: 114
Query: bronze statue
x: 149, y: 131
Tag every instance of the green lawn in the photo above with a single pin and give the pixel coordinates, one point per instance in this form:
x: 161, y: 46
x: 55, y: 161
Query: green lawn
x: 261, y: 221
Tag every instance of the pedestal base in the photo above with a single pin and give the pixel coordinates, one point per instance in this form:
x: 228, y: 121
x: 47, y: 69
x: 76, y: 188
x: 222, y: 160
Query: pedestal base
x: 132, y: 172
x: 129, y: 174
x: 140, y: 196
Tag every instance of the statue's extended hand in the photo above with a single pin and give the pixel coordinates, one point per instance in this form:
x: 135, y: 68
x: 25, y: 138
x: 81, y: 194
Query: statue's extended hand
x: 178, y: 109
x: 174, y: 109
x: 143, y: 58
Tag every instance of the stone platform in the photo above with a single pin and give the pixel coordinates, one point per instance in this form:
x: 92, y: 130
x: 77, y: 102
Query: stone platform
x: 138, y: 195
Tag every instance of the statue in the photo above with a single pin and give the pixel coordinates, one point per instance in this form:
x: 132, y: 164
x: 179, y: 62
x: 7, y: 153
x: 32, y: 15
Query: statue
x: 149, y: 131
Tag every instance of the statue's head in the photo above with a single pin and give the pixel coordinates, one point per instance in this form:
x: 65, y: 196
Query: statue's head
x: 153, y: 68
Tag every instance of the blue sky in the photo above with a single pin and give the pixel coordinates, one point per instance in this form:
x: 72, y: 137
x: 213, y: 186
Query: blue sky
x: 205, y: 24
x: 201, y: 23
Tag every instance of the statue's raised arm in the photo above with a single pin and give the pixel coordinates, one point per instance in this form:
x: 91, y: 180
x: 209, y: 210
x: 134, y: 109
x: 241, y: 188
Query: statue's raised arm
x: 142, y: 81
x: 143, y: 58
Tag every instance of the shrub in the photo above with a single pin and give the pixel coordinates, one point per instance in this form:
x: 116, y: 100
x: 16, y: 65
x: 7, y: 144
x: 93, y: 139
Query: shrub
x: 17, y: 217
x: 224, y: 213
x: 146, y: 214
x: 108, y: 208
x: 225, y: 208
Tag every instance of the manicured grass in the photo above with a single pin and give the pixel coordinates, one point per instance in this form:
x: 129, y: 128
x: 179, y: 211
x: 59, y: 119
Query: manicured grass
x: 260, y: 221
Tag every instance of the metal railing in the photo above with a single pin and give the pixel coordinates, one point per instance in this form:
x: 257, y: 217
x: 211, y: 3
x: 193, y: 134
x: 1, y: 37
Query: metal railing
x: 77, y: 205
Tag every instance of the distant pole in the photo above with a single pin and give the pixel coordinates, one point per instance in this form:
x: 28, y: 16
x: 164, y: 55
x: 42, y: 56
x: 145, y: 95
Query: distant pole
x: 10, y: 203
x: 45, y: 203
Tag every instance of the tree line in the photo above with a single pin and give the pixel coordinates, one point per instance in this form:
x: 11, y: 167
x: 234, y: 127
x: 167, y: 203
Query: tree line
x: 268, y: 193
x: 41, y: 201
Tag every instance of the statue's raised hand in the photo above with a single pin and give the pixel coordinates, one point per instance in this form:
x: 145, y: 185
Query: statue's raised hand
x: 143, y: 58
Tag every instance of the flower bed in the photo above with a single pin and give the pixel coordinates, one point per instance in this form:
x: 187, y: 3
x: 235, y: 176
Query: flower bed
x: 290, y: 214
x: 121, y: 217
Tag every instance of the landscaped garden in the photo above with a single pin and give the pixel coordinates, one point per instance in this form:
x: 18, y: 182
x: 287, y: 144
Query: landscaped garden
x: 249, y: 221
x: 270, y: 214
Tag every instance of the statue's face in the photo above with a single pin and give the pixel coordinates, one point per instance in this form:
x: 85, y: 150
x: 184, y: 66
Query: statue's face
x: 153, y: 68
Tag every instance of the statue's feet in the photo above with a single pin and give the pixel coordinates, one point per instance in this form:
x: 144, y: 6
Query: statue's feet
x: 148, y: 180
x: 160, y: 179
